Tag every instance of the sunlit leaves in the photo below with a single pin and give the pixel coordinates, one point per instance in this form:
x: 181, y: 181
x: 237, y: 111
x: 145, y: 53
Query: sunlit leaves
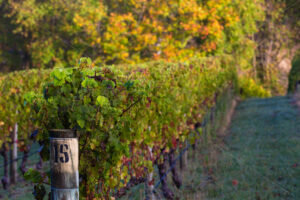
x: 17, y: 91
x: 102, y: 101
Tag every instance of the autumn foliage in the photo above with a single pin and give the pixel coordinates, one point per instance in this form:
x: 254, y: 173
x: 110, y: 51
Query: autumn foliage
x: 58, y: 32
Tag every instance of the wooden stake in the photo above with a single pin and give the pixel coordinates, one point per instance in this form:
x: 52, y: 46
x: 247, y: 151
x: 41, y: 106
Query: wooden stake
x: 64, y: 165
x: 14, y: 155
x: 149, y: 183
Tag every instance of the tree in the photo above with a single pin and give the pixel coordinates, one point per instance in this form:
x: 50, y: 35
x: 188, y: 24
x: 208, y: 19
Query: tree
x: 57, y: 32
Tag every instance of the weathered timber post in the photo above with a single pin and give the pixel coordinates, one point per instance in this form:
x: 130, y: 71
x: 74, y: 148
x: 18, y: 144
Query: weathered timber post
x: 64, y: 165
x: 149, y: 183
x: 14, y: 155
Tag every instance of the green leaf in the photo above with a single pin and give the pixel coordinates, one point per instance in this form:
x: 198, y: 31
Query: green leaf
x: 33, y: 176
x: 102, y: 101
x: 85, y: 62
x: 29, y: 97
x: 129, y: 84
x: 89, y: 83
x: 81, y: 123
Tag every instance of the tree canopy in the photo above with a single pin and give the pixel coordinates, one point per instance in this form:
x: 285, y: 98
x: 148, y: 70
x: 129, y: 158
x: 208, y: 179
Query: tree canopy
x: 43, y: 34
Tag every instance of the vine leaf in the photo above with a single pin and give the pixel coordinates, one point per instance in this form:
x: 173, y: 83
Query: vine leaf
x: 81, y: 123
x: 102, y: 101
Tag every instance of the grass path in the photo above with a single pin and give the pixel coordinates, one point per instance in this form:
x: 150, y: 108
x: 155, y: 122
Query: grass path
x: 261, y: 155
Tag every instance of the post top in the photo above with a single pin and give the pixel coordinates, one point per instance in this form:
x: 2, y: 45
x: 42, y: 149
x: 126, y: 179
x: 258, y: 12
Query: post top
x: 62, y: 133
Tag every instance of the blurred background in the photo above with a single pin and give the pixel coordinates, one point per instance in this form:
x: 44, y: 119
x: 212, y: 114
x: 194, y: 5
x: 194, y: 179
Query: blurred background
x: 56, y: 33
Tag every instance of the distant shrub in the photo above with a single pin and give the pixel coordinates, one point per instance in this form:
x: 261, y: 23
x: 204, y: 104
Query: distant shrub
x: 294, y: 76
x: 250, y: 88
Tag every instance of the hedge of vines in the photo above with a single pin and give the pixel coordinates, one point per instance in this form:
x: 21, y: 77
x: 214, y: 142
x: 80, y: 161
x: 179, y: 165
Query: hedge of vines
x: 13, y: 108
x: 121, y: 112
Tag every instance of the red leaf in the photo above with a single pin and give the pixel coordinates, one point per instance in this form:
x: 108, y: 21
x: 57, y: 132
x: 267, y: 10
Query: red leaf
x: 235, y: 182
x: 174, y: 142
x: 295, y: 165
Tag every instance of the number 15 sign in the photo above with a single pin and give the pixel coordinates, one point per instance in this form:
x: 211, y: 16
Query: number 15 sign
x: 64, y: 165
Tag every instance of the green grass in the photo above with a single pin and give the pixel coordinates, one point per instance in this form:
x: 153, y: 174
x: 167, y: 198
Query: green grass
x: 262, y: 153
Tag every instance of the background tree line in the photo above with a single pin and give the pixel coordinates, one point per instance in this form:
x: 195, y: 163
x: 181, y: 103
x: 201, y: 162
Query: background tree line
x: 46, y: 34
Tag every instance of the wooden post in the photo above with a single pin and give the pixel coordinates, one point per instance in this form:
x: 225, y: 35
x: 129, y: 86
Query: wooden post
x: 64, y: 165
x: 149, y: 183
x: 14, y: 155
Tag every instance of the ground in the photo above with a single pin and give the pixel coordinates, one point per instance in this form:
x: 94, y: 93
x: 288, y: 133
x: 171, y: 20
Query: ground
x: 260, y: 157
